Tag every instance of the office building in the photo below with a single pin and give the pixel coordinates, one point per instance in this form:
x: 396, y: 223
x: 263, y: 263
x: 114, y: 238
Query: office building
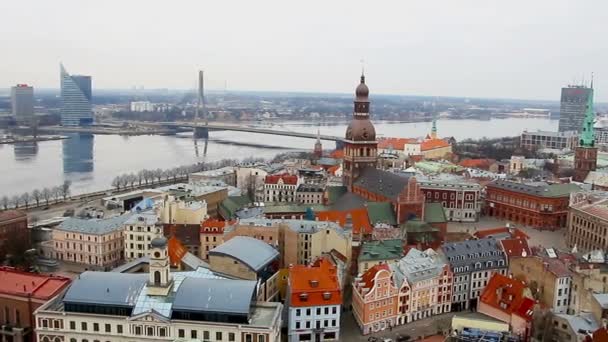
x: 549, y: 140
x: 76, y: 99
x: 22, y: 101
x: 585, y: 155
x: 573, y: 106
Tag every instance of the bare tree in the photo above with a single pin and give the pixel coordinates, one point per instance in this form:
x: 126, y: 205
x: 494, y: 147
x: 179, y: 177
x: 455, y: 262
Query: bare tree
x: 56, y: 192
x: 47, y: 194
x: 124, y: 180
x: 16, y: 201
x: 5, y: 202
x: 116, y: 182
x: 37, y: 195
x: 25, y: 198
x: 140, y: 176
x: 132, y: 179
x: 158, y: 173
x: 65, y: 188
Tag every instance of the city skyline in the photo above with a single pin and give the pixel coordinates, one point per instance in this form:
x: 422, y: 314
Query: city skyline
x: 495, y: 50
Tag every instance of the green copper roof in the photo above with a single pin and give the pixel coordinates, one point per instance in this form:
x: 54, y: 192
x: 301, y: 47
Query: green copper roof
x: 381, y: 250
x: 434, y: 213
x: 231, y: 205
x: 381, y: 212
x: 335, y: 192
x: 587, y: 136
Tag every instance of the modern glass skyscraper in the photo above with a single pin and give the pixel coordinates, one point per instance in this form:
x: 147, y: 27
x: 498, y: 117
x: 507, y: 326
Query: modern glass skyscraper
x: 76, y: 96
x: 573, y: 106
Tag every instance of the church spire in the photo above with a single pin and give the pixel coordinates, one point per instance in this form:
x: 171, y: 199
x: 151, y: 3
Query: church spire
x: 587, y: 135
x: 434, y: 129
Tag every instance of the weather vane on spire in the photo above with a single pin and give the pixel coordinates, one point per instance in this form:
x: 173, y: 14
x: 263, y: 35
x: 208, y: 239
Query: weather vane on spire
x: 362, y: 61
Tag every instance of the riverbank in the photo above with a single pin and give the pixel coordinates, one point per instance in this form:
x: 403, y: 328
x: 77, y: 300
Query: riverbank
x: 26, y: 139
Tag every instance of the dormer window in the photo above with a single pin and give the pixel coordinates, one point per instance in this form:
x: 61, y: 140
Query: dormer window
x: 304, y: 297
x: 326, y: 295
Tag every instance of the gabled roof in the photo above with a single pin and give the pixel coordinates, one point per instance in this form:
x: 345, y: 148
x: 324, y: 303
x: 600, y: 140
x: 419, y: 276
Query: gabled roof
x: 94, y: 226
x: 432, y: 144
x: 252, y: 252
x: 106, y: 288
x: 314, y: 285
x: 394, y: 143
x: 540, y: 190
x: 287, y: 179
x: 381, y: 250
x: 508, y: 295
x: 348, y: 201
x: 369, y: 276
x: 337, y: 154
x: 381, y: 182
x: 335, y: 192
x: 360, y: 219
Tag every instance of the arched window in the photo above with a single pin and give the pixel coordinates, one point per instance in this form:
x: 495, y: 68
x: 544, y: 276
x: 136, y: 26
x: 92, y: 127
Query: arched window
x: 46, y: 339
x: 156, y: 277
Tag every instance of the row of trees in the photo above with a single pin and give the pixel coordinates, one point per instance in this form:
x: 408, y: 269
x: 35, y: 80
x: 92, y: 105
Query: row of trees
x: 45, y: 195
x: 147, y: 177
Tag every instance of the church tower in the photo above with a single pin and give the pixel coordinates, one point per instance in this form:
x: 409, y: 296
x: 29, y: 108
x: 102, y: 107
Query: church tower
x: 585, y: 155
x: 159, y: 280
x: 360, y: 145
x: 318, y: 151
x: 434, y: 129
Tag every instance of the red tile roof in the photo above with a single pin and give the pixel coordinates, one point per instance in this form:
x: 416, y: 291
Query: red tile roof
x: 516, y: 247
x: 314, y: 285
x: 24, y: 284
x: 176, y: 251
x: 513, y: 232
x: 432, y: 144
x: 477, y: 163
x: 287, y: 179
x: 332, y: 170
x: 395, y: 143
x: 600, y: 335
x: 359, y: 217
x: 369, y: 276
x: 508, y: 295
x: 214, y: 226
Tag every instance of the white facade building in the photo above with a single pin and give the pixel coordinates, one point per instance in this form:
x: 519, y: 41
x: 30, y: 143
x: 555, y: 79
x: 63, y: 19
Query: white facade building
x: 562, y: 294
x: 142, y: 106
x: 139, y: 230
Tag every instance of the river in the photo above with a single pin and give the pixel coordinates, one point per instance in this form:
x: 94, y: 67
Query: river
x: 91, y: 162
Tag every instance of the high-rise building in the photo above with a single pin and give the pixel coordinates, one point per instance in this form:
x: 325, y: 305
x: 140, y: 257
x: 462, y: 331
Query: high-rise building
x: 585, y: 155
x: 22, y: 100
x: 76, y: 97
x: 573, y: 105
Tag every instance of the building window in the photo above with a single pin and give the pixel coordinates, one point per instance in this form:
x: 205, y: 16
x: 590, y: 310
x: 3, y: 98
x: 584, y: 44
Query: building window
x: 150, y: 331
x: 298, y: 312
x: 261, y: 338
x: 248, y: 338
x: 218, y: 335
x: 119, y: 329
x: 137, y: 330
x: 83, y: 326
x: 231, y: 337
x: 205, y: 335
x: 192, y: 333
x: 95, y: 326
x: 181, y: 333
x: 162, y: 332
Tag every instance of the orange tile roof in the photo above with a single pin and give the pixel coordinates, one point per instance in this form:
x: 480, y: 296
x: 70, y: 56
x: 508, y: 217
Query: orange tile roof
x: 214, y: 226
x: 337, y: 154
x: 507, y: 295
x: 309, y: 285
x: 432, y: 144
x: 359, y: 217
x: 287, y: 179
x: 176, y: 251
x: 513, y: 232
x: 395, y: 143
x: 24, y: 284
x: 332, y: 170
x: 516, y: 247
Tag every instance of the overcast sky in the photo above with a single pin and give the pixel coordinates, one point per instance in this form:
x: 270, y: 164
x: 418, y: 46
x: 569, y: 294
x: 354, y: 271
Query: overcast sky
x: 509, y: 49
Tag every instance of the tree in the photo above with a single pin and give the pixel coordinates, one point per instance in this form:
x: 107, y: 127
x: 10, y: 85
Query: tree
x: 116, y: 183
x: 158, y: 173
x: 140, y: 176
x: 47, y: 194
x: 56, y: 193
x: 124, y: 180
x: 65, y: 188
x: 16, y: 201
x: 5, y: 202
x: 37, y: 195
x: 132, y: 179
x: 25, y: 198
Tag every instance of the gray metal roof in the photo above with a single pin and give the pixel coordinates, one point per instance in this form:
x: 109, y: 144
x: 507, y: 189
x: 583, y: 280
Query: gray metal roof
x: 537, y: 189
x: 252, y: 252
x: 146, y: 218
x: 381, y: 182
x: 584, y: 321
x: 299, y: 226
x: 106, y: 288
x: 602, y: 299
x: 94, y: 226
x: 418, y: 265
x: 215, y: 295
x: 349, y: 201
x: 470, y: 252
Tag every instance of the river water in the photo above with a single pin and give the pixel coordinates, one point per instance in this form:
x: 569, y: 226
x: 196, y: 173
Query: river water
x: 92, y: 161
